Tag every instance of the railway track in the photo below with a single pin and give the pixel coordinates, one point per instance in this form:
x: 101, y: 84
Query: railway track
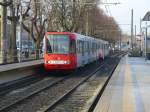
x: 50, y: 94
x: 51, y: 106
x: 18, y: 97
x: 77, y: 99
x: 19, y: 83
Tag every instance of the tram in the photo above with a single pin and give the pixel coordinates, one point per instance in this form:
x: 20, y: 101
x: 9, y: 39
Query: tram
x: 68, y: 51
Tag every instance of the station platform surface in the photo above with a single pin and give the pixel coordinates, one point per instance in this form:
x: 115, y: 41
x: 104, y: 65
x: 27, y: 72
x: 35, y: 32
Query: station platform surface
x: 128, y: 89
x: 20, y: 65
x: 10, y: 77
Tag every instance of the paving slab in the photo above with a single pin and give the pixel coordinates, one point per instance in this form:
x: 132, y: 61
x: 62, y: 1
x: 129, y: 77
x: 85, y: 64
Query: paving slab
x: 20, y: 65
x: 128, y: 89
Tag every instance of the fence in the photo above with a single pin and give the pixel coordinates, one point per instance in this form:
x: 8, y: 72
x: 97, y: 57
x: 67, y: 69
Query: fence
x: 21, y: 55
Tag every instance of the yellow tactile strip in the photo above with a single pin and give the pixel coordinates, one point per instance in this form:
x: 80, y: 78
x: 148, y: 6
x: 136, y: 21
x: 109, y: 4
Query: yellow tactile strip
x: 128, y: 96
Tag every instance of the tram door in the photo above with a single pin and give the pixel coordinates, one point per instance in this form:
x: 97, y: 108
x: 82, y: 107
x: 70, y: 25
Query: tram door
x: 80, y: 53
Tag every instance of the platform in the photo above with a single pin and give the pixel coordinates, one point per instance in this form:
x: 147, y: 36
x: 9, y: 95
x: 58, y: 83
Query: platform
x: 128, y: 89
x: 20, y: 65
x: 9, y: 77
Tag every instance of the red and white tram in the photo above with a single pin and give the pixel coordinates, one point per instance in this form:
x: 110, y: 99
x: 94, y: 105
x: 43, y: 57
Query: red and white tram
x: 68, y: 51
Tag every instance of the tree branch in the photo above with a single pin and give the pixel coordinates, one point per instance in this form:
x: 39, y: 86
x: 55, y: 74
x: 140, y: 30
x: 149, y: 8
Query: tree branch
x: 36, y: 27
x: 28, y: 30
x: 5, y: 4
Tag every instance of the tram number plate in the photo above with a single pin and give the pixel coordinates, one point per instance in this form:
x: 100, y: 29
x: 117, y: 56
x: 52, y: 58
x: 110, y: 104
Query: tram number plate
x: 57, y: 62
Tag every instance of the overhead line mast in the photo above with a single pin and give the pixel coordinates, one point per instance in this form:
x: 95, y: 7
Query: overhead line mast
x: 132, y: 29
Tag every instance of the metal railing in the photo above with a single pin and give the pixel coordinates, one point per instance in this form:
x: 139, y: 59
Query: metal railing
x: 17, y: 56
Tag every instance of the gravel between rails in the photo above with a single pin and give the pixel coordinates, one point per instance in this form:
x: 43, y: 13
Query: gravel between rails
x: 47, y: 97
x: 19, y: 83
x: 19, y: 94
x: 50, y: 95
x: 82, y: 98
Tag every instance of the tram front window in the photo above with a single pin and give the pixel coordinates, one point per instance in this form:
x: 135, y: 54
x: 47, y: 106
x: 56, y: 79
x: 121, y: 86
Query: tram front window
x: 57, y: 44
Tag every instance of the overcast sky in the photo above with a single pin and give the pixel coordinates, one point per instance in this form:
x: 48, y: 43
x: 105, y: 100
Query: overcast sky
x: 122, y: 12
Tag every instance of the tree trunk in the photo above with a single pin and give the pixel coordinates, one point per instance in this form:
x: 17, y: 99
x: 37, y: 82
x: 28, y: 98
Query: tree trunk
x: 14, y: 47
x: 4, y: 40
x: 13, y: 36
x: 37, y: 49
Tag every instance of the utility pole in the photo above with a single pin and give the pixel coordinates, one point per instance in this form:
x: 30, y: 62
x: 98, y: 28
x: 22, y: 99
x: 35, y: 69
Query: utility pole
x: 135, y: 35
x: 146, y: 41
x: 140, y: 35
x: 135, y: 30
x: 132, y: 29
x: 120, y: 40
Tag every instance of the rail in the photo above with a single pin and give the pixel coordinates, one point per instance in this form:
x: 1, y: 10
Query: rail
x: 51, y: 89
x: 18, y: 83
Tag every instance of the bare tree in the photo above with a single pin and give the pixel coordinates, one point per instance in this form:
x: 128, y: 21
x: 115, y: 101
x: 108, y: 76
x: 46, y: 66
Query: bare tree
x: 60, y: 15
x: 105, y: 26
x: 14, y: 19
x: 83, y: 17
x: 37, y: 21
x: 13, y: 7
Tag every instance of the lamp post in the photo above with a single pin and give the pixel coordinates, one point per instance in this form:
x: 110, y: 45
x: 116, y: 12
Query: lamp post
x: 146, y: 41
x: 132, y: 29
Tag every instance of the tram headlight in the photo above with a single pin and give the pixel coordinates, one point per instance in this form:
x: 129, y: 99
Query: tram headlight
x: 51, y: 62
x: 67, y: 62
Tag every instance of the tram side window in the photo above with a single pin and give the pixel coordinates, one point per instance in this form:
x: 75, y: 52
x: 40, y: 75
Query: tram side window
x: 72, y: 46
x: 88, y: 47
x: 78, y: 47
x: 104, y: 46
x: 82, y: 44
x: 48, y: 47
x: 92, y: 47
x: 85, y: 46
x: 99, y: 46
x: 96, y: 46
